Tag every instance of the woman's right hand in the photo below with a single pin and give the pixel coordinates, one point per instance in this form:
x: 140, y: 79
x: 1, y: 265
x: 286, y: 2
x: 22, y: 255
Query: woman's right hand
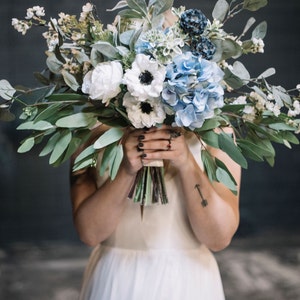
x: 132, y: 160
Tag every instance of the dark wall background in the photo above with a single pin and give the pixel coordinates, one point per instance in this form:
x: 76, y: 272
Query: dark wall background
x: 34, y: 197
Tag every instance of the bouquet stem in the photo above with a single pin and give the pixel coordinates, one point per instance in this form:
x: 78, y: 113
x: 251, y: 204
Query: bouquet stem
x: 149, y: 187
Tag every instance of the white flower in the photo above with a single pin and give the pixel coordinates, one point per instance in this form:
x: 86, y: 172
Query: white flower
x: 103, y: 83
x: 86, y: 9
x: 240, y: 100
x: 298, y: 87
x: 145, y: 78
x: 20, y: 26
x: 144, y: 113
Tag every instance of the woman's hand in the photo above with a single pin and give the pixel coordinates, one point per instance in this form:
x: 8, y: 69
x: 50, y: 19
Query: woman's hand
x: 143, y: 146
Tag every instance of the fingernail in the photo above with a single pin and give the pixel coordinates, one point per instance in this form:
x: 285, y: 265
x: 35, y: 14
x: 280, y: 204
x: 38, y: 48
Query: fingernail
x: 144, y: 155
x: 140, y: 145
x: 141, y: 137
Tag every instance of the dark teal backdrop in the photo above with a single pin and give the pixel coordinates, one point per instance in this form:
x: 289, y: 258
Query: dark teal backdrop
x: 34, y: 198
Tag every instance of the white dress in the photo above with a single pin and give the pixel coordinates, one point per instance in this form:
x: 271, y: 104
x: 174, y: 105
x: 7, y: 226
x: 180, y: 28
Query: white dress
x: 157, y: 258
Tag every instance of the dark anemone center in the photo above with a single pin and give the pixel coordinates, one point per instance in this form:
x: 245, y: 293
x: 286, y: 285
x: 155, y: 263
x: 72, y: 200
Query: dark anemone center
x: 146, y: 108
x: 146, y: 78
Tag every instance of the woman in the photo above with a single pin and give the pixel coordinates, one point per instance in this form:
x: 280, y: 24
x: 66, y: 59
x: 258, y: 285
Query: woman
x: 165, y: 255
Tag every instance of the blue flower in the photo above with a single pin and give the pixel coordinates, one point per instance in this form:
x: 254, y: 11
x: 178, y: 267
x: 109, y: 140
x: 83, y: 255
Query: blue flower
x: 192, y: 90
x: 193, y: 22
x: 203, y: 47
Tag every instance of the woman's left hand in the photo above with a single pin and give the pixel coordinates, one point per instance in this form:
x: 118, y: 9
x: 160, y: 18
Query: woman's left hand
x: 165, y: 143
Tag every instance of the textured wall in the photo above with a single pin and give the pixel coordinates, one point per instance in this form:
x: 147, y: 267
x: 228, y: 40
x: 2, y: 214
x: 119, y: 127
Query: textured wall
x: 34, y: 198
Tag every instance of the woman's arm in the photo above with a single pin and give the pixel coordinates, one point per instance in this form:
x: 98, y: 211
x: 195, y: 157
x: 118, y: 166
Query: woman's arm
x: 212, y: 209
x: 96, y: 211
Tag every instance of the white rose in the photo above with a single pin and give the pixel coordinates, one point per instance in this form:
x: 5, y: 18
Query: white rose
x: 103, y: 83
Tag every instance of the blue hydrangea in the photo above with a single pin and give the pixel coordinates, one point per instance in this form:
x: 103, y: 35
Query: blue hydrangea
x: 192, y: 90
x: 193, y: 22
x: 203, y: 47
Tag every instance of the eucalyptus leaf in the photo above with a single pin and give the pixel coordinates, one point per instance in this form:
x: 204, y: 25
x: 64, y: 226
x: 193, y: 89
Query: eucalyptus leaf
x: 70, y: 80
x: 160, y: 7
x: 248, y: 25
x: 226, y: 49
x: 116, y: 161
x: 239, y: 70
x: 50, y: 144
x: 269, y: 72
x: 26, y: 145
x: 260, y: 30
x: 211, y: 138
x: 220, y: 10
x: 254, y: 5
x: 223, y: 177
x: 289, y: 136
x: 6, y: 90
x: 226, y: 143
x: 77, y: 120
x: 40, y: 126
x: 96, y: 57
x: 106, y: 49
x: 87, y: 152
x: 208, y: 125
x: 232, y: 80
x: 60, y: 146
x: 54, y: 65
x: 72, y: 148
x: 107, y: 158
x: 119, y: 5
x: 281, y: 126
x: 138, y: 5
x: 209, y: 165
x: 110, y: 136
x: 89, y: 162
x: 130, y: 14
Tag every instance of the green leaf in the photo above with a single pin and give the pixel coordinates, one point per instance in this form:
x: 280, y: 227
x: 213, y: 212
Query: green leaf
x: 251, y: 150
x: 254, y: 5
x: 68, y: 97
x: 209, y: 165
x: 6, y: 90
x: 138, y: 5
x: 116, y: 161
x: 119, y: 5
x: 281, y: 126
x: 239, y: 70
x: 40, y: 126
x: 89, y: 162
x: 107, y: 158
x: 160, y: 7
x: 211, y: 138
x: 26, y: 145
x: 248, y: 25
x: 60, y: 147
x: 232, y: 80
x: 72, y: 148
x: 208, y: 125
x: 50, y: 144
x: 70, y: 80
x: 110, y: 136
x: 269, y: 72
x: 260, y: 30
x: 289, y: 136
x: 77, y: 120
x: 226, y: 143
x: 107, y: 50
x: 220, y: 10
x: 47, y: 112
x: 87, y: 152
x: 226, y: 49
x: 54, y: 65
x: 224, y: 176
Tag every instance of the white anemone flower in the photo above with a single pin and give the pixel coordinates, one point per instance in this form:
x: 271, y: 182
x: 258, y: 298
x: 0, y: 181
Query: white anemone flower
x: 146, y: 113
x: 145, y: 78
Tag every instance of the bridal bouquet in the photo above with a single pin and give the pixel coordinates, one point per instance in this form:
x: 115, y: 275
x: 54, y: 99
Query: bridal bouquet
x: 139, y: 72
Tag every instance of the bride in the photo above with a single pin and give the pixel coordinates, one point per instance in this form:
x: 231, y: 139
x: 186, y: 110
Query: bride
x: 167, y: 254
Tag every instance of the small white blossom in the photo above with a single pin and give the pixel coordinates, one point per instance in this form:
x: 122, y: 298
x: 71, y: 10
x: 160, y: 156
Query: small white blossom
x: 86, y: 9
x: 298, y: 87
x: 20, y: 26
x: 258, y: 45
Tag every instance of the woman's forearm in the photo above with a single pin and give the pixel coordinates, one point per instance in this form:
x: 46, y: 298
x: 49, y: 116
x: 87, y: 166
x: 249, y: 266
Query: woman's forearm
x: 97, y: 216
x: 212, y: 210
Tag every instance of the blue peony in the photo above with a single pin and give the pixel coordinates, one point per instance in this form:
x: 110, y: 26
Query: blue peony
x: 193, y: 22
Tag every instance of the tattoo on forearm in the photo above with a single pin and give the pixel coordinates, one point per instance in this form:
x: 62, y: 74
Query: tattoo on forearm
x: 204, y: 202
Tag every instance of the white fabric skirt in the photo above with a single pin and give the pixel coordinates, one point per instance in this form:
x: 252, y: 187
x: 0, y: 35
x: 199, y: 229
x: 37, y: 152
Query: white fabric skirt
x: 127, y: 274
